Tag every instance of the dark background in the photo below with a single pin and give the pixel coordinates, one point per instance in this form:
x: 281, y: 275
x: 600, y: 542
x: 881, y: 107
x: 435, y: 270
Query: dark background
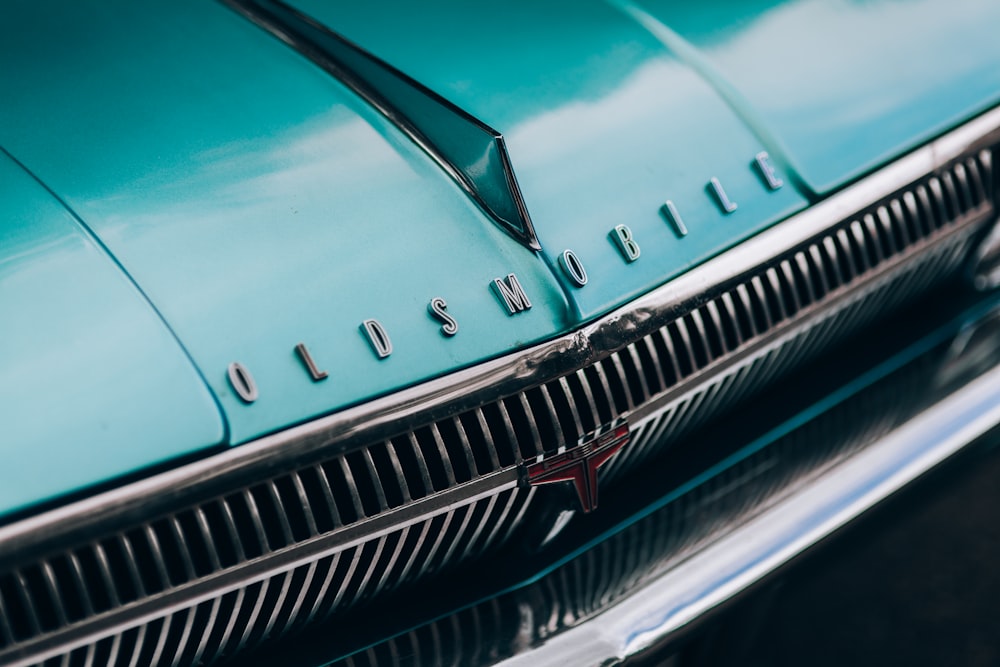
x: 916, y: 581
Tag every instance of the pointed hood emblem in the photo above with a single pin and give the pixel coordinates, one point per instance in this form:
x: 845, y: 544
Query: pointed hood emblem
x: 579, y: 464
x: 468, y: 150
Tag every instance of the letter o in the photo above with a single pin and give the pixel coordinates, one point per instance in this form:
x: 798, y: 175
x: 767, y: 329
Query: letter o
x: 242, y: 382
x: 573, y: 268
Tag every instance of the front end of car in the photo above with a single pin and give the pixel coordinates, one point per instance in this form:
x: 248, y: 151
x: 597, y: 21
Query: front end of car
x: 442, y: 334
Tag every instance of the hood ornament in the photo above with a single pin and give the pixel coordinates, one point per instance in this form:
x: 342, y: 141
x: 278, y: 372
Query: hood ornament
x: 579, y: 464
x: 467, y: 149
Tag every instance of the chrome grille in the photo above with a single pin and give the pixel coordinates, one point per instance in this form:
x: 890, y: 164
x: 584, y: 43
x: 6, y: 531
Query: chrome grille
x: 257, y: 551
x: 160, y: 564
x: 673, y: 529
x: 736, y: 341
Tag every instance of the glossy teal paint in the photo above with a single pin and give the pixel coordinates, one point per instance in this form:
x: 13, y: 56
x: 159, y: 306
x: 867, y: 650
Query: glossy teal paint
x: 92, y: 384
x: 846, y: 85
x: 258, y: 203
x: 603, y: 124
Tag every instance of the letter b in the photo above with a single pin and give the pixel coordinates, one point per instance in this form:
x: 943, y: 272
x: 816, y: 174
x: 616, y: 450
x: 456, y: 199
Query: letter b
x: 622, y: 236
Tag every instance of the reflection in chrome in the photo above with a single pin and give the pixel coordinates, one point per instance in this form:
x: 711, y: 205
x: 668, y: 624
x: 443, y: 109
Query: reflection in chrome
x: 472, y: 153
x: 306, y: 357
x: 985, y: 267
x: 573, y: 268
x: 623, y: 239
x: 707, y: 540
x: 674, y: 216
x: 510, y: 293
x: 242, y: 382
x: 715, y: 187
x: 300, y: 525
x: 763, y: 162
x: 438, y: 309
x: 377, y: 337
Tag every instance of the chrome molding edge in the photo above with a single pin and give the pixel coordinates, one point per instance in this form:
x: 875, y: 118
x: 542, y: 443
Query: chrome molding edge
x: 663, y: 608
x: 384, y: 417
x: 444, y: 131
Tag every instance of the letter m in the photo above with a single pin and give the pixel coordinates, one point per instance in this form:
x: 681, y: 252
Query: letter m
x: 511, y: 294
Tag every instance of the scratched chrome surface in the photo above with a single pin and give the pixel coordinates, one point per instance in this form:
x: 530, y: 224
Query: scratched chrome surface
x: 228, y: 552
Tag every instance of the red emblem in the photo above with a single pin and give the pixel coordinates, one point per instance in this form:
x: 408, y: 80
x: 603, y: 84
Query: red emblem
x: 581, y: 463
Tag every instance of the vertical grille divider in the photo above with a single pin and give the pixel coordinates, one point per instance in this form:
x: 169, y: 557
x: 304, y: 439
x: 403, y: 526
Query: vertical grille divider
x: 583, y: 397
x: 418, y: 456
x: 464, y: 445
x: 6, y: 632
x: 305, y: 504
x: 298, y: 601
x: 27, y: 604
x: 52, y: 588
x: 564, y: 418
x: 601, y: 391
x: 428, y: 559
x: 488, y: 444
x: 206, y: 632
x: 488, y: 518
x: 330, y: 565
x: 390, y: 567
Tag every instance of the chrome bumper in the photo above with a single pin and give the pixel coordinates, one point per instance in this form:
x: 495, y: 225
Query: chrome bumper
x: 662, y: 609
x: 645, y: 584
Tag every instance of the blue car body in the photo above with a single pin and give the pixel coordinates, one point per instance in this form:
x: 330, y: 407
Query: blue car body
x: 209, y: 236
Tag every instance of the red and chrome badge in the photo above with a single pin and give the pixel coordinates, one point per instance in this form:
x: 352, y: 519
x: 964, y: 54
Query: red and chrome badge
x: 579, y: 464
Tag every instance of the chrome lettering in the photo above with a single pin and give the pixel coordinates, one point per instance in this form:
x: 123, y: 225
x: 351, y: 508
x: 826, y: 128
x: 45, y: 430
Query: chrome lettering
x: 720, y: 194
x: 573, y: 268
x: 437, y: 306
x: 378, y: 337
x: 242, y: 382
x: 511, y: 294
x: 310, y: 365
x: 674, y: 217
x: 762, y: 160
x: 622, y: 236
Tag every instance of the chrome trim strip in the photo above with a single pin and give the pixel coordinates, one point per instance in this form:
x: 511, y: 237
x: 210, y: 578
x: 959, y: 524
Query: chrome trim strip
x: 390, y: 415
x: 663, y: 608
x: 459, y: 143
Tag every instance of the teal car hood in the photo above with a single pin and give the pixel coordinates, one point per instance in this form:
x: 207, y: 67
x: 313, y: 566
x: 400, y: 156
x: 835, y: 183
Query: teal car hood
x: 259, y: 204
x: 841, y: 87
x: 92, y: 383
x: 267, y: 212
